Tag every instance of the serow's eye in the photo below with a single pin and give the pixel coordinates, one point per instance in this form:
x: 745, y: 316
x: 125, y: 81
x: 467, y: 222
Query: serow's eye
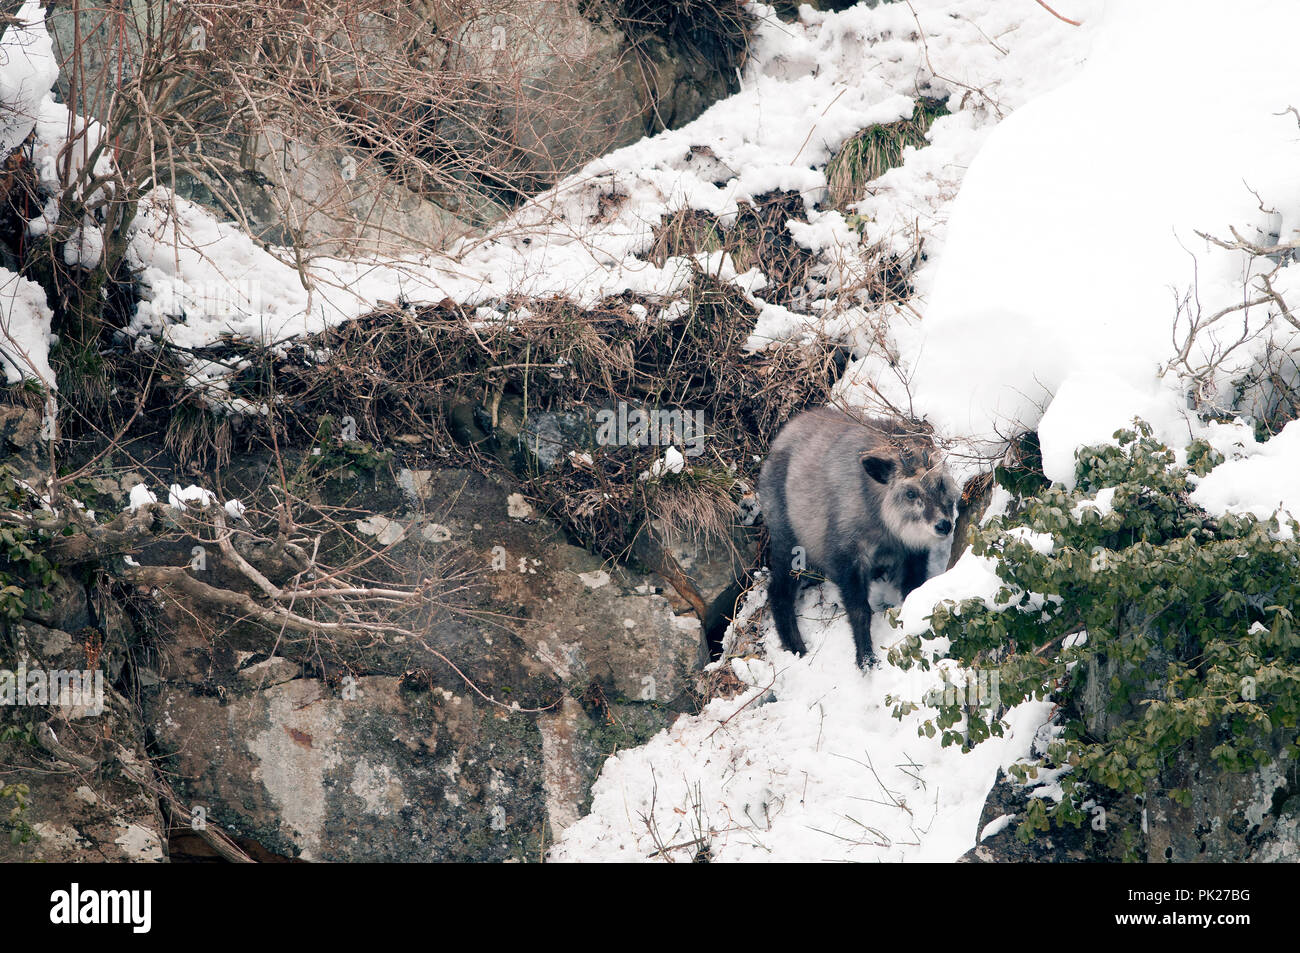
x: 913, y: 495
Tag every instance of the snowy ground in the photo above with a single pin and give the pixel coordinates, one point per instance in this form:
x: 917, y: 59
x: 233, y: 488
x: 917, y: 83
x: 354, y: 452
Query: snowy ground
x: 809, y: 764
x: 1048, y: 301
x: 1058, y: 204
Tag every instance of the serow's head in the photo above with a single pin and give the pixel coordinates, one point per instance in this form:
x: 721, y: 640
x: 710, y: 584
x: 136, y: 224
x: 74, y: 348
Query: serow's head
x: 918, y: 501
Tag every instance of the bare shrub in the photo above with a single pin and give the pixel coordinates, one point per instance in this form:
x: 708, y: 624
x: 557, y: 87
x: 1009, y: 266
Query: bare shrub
x: 324, y: 128
x: 1259, y: 330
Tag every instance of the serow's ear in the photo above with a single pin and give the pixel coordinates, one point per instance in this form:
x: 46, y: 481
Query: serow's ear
x: 879, y: 467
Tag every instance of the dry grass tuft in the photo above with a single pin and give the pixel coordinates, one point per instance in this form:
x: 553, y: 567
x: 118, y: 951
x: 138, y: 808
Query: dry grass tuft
x: 757, y: 239
x: 877, y: 149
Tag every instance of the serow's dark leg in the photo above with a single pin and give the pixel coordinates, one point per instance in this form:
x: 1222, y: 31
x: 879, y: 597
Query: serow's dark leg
x: 855, y: 591
x: 782, y: 590
x: 916, y: 570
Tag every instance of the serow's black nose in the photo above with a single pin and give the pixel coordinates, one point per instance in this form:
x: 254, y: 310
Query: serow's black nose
x: 943, y: 527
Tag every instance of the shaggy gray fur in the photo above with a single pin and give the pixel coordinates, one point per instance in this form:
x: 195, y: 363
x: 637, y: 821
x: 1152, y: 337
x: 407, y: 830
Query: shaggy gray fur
x: 863, y: 501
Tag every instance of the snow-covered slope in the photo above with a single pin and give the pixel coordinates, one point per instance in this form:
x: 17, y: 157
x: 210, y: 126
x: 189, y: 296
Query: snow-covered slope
x: 1075, y: 231
x: 807, y: 87
x: 809, y: 763
x: 1052, y: 288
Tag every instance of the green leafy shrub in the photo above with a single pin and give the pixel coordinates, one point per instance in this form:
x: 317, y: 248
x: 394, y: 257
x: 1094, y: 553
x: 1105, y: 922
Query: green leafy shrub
x: 25, y: 573
x: 20, y: 832
x: 15, y: 797
x: 1152, y: 624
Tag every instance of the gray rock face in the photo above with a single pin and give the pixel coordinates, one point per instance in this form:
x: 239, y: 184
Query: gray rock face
x: 546, y: 438
x: 547, y: 51
x: 91, y: 811
x: 382, y: 751
x: 20, y: 442
x: 368, y: 772
x: 80, y: 815
x: 1232, y: 818
x: 1253, y: 816
x: 710, y: 572
x: 1004, y: 811
x: 81, y: 805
